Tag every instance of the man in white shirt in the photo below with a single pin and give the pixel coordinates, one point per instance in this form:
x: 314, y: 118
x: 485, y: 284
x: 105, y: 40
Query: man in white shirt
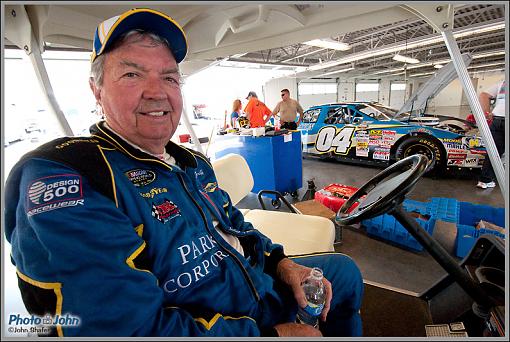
x: 497, y: 126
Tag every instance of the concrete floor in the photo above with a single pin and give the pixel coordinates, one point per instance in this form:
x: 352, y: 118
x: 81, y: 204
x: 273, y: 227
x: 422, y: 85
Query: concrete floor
x: 378, y: 260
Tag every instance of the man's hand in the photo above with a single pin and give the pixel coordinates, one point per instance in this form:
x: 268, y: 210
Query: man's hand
x: 296, y: 329
x: 294, y: 275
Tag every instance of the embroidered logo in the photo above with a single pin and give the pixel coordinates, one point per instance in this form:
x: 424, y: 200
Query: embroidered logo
x: 54, y: 192
x: 211, y: 187
x: 140, y: 177
x: 153, y: 192
x: 165, y: 211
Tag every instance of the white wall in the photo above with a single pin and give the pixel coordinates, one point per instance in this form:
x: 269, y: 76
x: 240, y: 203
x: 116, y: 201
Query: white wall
x: 308, y: 101
x: 273, y: 87
x: 450, y: 101
x: 346, y: 90
x: 384, y: 91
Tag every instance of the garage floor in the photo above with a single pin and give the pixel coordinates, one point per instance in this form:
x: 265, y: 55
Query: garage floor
x: 379, y: 260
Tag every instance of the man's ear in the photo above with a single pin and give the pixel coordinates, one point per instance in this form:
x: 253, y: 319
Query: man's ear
x: 95, y: 90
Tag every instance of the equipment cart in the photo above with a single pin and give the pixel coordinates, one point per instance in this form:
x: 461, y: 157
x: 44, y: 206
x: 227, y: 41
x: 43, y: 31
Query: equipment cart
x: 275, y: 161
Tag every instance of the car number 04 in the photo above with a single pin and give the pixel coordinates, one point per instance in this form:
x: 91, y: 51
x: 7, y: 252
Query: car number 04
x: 329, y: 138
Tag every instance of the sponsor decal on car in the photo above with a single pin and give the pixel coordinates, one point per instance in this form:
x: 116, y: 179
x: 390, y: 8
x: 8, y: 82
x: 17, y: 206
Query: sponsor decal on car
x: 457, y: 155
x: 448, y: 140
x: 140, y: 177
x: 455, y: 150
x: 449, y: 146
x: 471, y: 162
x: 381, y: 154
x: 54, y: 192
x: 165, y: 211
x: 455, y: 161
x: 475, y: 151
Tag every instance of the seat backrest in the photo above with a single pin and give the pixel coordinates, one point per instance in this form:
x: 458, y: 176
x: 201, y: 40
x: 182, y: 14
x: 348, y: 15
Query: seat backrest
x: 234, y: 176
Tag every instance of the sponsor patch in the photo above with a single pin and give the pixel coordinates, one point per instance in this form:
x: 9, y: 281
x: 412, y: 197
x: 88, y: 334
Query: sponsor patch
x: 211, y: 187
x: 163, y: 212
x: 140, y: 177
x: 153, y: 192
x: 54, y: 192
x: 74, y: 141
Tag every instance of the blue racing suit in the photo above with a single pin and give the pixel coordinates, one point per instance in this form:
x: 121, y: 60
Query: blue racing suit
x: 125, y: 243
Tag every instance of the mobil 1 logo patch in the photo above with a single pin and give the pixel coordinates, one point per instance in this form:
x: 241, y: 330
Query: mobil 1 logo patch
x: 54, y: 192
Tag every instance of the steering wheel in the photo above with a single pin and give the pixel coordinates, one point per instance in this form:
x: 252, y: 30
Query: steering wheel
x: 382, y: 193
x: 386, y: 195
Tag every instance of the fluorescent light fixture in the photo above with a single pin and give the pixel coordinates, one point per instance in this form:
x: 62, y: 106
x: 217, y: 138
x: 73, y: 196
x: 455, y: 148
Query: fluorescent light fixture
x: 405, y: 59
x: 438, y: 66
x: 336, y: 71
x: 420, y: 42
x: 422, y: 74
x: 329, y: 44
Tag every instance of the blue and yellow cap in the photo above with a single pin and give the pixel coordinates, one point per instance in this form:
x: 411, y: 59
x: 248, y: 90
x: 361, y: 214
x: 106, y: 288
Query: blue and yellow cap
x: 145, y: 19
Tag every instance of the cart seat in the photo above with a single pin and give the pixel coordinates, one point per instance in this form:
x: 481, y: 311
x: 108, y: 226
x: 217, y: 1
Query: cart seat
x: 299, y: 234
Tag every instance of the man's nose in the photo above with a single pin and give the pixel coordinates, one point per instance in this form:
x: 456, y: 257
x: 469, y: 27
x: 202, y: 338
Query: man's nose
x: 154, y: 88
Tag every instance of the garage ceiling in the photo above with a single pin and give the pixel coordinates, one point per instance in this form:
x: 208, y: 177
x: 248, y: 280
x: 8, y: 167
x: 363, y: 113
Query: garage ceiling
x: 479, y: 30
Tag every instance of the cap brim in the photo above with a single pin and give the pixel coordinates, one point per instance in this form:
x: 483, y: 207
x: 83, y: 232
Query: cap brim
x: 151, y: 21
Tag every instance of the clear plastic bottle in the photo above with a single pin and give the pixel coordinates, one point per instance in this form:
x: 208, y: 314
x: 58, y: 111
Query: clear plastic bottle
x: 316, y: 295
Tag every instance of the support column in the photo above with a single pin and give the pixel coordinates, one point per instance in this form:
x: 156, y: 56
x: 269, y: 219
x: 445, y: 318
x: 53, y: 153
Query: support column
x: 440, y: 17
x: 18, y: 29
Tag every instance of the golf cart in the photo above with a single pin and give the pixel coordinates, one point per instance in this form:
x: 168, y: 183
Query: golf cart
x: 468, y: 301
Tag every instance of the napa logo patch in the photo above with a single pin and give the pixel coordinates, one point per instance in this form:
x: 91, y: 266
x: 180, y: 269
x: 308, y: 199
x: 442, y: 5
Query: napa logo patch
x: 140, y: 177
x: 211, y: 187
x: 165, y: 211
x: 54, y: 192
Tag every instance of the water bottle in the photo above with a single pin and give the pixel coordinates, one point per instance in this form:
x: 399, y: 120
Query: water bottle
x: 315, y: 295
x: 276, y: 123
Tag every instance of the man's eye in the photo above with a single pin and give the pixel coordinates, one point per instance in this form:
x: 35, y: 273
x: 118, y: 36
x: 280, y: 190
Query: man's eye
x: 130, y: 75
x: 172, y: 80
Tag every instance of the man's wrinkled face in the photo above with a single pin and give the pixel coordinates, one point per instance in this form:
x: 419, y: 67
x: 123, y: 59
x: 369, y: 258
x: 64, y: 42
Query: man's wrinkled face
x: 141, y: 96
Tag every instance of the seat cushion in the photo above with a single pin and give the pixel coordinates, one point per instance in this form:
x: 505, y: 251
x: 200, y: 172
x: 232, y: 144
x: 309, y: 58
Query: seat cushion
x: 244, y: 211
x: 299, y: 234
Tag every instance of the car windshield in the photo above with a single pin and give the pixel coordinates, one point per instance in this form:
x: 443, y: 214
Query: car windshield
x: 377, y: 111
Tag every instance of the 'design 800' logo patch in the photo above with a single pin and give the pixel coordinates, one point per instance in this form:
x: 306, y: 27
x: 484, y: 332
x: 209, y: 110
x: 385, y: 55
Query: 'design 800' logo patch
x: 140, y: 177
x: 165, y: 211
x: 54, y: 192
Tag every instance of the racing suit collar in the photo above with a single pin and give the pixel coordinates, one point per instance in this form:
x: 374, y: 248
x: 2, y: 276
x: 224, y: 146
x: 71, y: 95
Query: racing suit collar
x: 183, y: 157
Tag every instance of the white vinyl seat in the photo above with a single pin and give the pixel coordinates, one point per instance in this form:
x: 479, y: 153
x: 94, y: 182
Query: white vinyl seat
x: 299, y: 234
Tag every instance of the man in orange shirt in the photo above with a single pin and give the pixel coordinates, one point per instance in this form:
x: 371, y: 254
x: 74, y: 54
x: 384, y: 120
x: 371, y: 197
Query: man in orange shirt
x: 256, y: 111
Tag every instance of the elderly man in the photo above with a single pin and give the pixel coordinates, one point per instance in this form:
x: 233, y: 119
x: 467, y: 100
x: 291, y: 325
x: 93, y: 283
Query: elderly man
x: 125, y: 233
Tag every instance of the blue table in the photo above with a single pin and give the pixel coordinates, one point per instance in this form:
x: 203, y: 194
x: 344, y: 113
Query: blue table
x: 275, y: 161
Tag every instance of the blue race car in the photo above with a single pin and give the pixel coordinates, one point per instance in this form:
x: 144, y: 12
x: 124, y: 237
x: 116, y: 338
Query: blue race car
x: 371, y: 133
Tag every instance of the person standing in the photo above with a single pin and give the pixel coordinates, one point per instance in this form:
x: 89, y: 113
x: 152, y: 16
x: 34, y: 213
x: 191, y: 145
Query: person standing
x: 497, y: 127
x: 288, y: 109
x: 236, y: 112
x: 256, y: 111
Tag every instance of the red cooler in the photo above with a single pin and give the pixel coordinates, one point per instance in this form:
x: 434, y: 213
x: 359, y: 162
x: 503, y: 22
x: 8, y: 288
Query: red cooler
x: 334, y: 195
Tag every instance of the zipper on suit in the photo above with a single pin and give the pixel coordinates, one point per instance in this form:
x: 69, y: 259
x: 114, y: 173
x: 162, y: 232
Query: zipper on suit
x: 236, y: 259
